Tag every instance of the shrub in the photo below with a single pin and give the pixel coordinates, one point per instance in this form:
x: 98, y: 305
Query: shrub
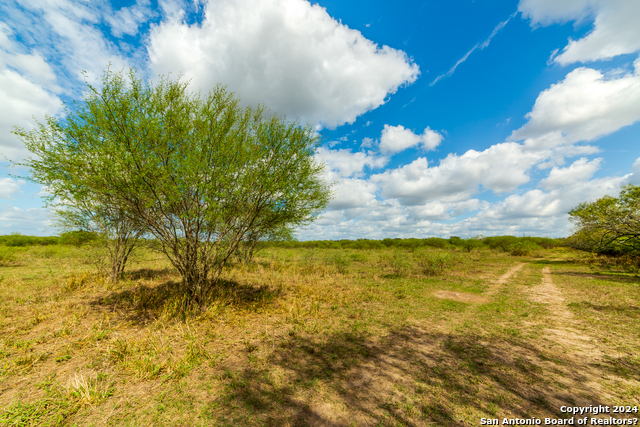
x: 523, y: 248
x: 77, y: 238
x: 501, y: 243
x: 434, y: 264
x: 7, y: 256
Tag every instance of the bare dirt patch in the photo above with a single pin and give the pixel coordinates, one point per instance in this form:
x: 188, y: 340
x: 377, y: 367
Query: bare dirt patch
x: 503, y: 279
x: 461, y: 296
x: 564, y: 332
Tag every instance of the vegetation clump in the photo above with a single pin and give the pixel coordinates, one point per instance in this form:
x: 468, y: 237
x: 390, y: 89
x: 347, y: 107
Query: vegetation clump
x: 610, y: 225
x: 199, y: 173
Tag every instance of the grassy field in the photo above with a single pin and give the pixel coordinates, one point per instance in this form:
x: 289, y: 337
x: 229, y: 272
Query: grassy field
x: 316, y: 337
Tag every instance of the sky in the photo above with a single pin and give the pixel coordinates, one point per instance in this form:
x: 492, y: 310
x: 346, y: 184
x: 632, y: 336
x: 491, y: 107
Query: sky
x: 438, y: 118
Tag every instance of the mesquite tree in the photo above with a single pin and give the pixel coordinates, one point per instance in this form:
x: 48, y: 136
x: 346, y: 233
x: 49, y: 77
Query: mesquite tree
x: 74, y: 205
x: 197, y: 172
x: 609, y: 224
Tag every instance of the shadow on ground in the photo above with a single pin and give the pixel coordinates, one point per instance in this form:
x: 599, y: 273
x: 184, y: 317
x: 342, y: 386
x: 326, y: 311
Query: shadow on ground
x: 409, y: 378
x: 142, y: 304
x: 147, y: 273
x: 602, y: 276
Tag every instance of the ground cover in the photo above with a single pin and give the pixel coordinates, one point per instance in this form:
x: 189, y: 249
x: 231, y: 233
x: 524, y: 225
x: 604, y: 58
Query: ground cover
x: 312, y: 336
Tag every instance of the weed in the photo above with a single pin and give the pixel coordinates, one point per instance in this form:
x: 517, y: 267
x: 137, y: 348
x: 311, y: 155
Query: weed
x: 435, y: 263
x: 76, y: 281
x: 119, y: 350
x: 7, y: 256
x: 90, y: 391
x: 341, y: 263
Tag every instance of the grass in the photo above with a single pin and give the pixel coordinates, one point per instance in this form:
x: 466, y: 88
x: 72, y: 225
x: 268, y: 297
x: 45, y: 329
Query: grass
x: 312, y: 336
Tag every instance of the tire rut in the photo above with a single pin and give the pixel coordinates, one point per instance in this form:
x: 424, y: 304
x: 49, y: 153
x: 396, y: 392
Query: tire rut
x: 564, y: 331
x: 493, y: 289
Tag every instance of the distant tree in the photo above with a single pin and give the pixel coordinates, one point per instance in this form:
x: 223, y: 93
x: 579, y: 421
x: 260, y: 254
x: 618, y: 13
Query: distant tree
x: 610, y: 224
x: 199, y: 173
x: 251, y: 243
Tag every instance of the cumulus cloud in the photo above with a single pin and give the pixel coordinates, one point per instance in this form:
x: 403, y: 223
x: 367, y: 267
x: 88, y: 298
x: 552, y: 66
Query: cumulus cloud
x: 500, y: 168
x: 396, y: 138
x: 352, y: 193
x: 616, y: 30
x: 345, y: 170
x: 557, y: 202
x: 581, y: 170
x: 9, y: 187
x: 289, y: 54
x: 635, y: 173
x: 345, y: 163
x: 20, y: 99
x: 584, y: 106
x: 437, y: 210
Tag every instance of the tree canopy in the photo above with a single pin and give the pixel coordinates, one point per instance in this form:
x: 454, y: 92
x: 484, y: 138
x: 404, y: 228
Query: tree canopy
x: 198, y: 173
x: 610, y: 224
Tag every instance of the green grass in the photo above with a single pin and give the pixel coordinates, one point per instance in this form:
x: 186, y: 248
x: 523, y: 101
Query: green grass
x: 314, y: 336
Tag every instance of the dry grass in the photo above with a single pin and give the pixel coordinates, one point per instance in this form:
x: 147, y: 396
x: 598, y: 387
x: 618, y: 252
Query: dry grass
x: 316, y: 337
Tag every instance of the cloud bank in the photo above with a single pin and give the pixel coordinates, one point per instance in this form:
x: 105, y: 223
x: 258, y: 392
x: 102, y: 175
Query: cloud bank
x: 289, y: 54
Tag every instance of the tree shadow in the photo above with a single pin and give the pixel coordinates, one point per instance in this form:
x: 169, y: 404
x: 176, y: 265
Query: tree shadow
x: 147, y: 273
x: 626, y: 310
x: 610, y: 277
x: 410, y: 378
x: 554, y: 262
x: 143, y: 304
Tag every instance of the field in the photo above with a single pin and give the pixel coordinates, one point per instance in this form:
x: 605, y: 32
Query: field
x: 378, y: 337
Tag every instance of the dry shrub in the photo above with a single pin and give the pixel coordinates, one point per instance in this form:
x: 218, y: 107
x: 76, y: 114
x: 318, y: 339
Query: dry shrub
x: 436, y: 263
x: 625, y: 263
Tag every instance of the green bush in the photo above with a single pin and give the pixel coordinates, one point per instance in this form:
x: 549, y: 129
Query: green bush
x: 77, y: 238
x: 436, y: 242
x: 501, y: 243
x: 399, y: 264
x: 7, y: 256
x: 471, y: 244
x: 435, y: 263
x: 341, y: 262
x: 523, y: 248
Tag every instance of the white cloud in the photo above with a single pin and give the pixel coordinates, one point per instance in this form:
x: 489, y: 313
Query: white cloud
x: 9, y: 187
x: 32, y: 66
x: 437, y: 210
x: 20, y: 99
x: 66, y: 34
x: 288, y: 54
x: 581, y: 170
x: 584, y: 106
x: 616, y: 30
x: 557, y: 202
x: 547, y: 12
x: 127, y: 19
x: 482, y: 45
x: 345, y: 163
x: 352, y: 193
x: 500, y: 168
x: 635, y: 169
x: 33, y: 221
x: 396, y: 138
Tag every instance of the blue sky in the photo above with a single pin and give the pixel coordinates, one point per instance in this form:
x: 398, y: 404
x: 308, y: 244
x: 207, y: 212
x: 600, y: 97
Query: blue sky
x: 439, y: 118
